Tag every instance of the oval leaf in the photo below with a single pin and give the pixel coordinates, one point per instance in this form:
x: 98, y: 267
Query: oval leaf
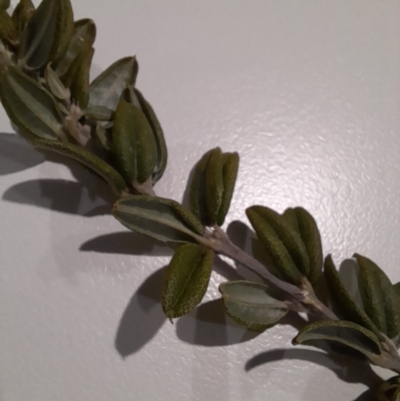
x: 304, y: 224
x: 230, y: 162
x: 22, y: 14
x: 63, y: 31
x: 77, y: 78
x: 379, y: 297
x: 107, y: 88
x: 90, y: 160
x: 251, y: 305
x: 214, y: 185
x: 348, y: 308
x: 100, y: 113
x: 83, y: 37
x: 38, y: 38
x: 133, y: 143
x: 343, y: 332
x: 29, y: 106
x: 274, y: 245
x: 197, y: 190
x: 159, y: 218
x: 186, y: 279
x: 56, y: 87
x: 6, y: 25
x: 162, y: 154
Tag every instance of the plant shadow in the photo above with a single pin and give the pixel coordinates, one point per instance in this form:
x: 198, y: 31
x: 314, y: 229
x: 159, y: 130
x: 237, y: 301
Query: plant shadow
x: 346, y: 368
x: 88, y: 196
x: 16, y: 154
x: 142, y: 318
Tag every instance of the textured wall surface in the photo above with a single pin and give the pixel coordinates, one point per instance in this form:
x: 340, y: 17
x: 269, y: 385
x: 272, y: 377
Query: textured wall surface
x: 309, y: 93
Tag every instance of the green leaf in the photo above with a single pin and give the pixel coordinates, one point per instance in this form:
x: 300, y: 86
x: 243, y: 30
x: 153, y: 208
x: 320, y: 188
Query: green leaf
x: 55, y: 85
x: 197, y: 190
x: 339, y: 331
x: 133, y: 143
x: 4, y: 4
x: 162, y: 153
x: 276, y: 242
x: 63, y: 32
x: 6, y: 25
x: 379, y: 297
x: 107, y: 88
x: 310, y: 236
x: 100, y: 113
x: 29, y: 106
x: 83, y: 36
x: 77, y: 78
x: 230, y: 162
x: 186, y: 279
x: 101, y: 136
x: 90, y: 160
x: 251, y: 305
x: 348, y: 308
x: 389, y: 390
x: 214, y: 185
x: 159, y: 218
x: 38, y: 38
x: 22, y: 14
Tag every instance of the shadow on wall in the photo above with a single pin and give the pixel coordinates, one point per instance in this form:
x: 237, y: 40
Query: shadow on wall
x: 16, y: 154
x: 89, y: 196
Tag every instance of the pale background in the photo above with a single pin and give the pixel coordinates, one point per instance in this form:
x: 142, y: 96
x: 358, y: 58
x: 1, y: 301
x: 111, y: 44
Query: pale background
x: 309, y: 93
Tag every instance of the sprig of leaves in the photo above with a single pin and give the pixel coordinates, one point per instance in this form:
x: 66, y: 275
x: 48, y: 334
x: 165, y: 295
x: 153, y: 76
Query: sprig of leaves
x: 110, y: 127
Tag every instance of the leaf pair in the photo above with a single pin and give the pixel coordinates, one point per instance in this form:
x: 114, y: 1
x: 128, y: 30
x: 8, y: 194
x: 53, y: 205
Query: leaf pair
x: 212, y: 186
x: 47, y: 35
x: 252, y: 305
x: 381, y: 310
x: 292, y: 240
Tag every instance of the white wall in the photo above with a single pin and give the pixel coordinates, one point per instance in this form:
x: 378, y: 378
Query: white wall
x: 309, y: 93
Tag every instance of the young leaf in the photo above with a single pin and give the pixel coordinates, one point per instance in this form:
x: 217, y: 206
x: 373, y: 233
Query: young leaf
x: 343, y: 332
x: 107, y: 88
x: 6, y: 25
x: 197, y: 190
x: 214, y: 185
x: 162, y: 154
x: 63, y: 31
x: 100, y: 113
x: 38, y: 38
x: 159, y: 218
x: 55, y: 85
x: 77, y: 78
x: 310, y: 236
x: 379, y: 297
x: 186, y: 279
x: 349, y: 310
x: 290, y: 217
x: 90, y: 160
x: 22, y: 14
x: 28, y: 105
x: 230, y: 169
x: 100, y: 134
x: 251, y: 305
x: 133, y: 143
x: 274, y: 245
x: 83, y: 36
